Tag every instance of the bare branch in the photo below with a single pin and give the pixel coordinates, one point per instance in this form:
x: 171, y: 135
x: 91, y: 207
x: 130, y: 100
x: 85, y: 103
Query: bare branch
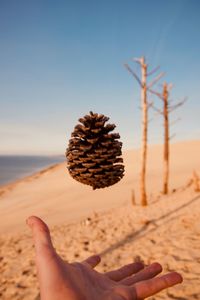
x: 155, y: 80
x: 156, y: 93
x: 133, y: 73
x: 175, y: 121
x: 170, y: 86
x: 172, y: 108
x: 153, y: 71
x: 137, y: 60
x: 150, y: 104
x: 157, y: 109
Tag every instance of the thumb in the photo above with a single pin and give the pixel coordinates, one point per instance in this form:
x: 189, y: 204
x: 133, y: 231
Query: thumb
x: 41, y: 236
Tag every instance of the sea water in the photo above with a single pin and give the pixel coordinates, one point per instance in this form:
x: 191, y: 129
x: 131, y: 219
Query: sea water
x: 16, y: 167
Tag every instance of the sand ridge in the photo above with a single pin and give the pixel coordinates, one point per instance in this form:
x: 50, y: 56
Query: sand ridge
x: 84, y: 222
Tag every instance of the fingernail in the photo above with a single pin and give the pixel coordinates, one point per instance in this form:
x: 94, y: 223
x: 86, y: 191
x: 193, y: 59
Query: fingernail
x: 180, y: 278
x: 98, y: 257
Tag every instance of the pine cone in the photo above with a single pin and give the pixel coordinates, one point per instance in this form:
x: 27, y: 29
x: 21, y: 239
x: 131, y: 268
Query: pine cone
x: 93, y: 154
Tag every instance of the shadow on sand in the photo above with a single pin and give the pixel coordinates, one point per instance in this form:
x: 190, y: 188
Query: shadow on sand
x: 145, y: 229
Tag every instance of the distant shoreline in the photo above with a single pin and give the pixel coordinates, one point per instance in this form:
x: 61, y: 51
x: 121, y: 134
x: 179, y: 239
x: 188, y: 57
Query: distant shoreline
x: 28, y: 178
x: 16, y: 168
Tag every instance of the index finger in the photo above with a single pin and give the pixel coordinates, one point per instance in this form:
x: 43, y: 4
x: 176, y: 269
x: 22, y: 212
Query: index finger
x: 41, y: 236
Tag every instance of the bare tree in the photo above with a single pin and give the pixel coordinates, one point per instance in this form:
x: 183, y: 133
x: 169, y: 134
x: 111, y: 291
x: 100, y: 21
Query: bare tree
x: 167, y: 108
x: 145, y: 106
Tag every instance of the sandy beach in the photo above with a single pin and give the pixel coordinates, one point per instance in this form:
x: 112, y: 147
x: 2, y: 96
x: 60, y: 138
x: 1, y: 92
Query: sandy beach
x: 85, y: 222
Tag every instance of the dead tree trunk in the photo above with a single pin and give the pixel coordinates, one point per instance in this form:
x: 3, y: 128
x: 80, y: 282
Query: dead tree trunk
x: 144, y: 106
x: 166, y: 140
x: 167, y: 109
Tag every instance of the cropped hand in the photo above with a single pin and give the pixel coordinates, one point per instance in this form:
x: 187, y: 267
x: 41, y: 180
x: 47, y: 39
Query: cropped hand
x: 59, y: 280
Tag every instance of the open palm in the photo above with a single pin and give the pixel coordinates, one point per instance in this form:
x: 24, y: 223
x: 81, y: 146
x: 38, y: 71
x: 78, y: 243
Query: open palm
x: 59, y: 280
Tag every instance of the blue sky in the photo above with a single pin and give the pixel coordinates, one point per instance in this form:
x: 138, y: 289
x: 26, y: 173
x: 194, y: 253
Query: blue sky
x: 61, y: 59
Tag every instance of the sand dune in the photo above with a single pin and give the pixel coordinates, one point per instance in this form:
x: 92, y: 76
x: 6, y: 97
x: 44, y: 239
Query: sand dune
x: 104, y: 221
x: 56, y: 197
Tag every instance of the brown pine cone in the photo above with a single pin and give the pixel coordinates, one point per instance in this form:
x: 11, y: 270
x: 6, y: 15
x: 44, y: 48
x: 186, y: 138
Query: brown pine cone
x: 93, y: 153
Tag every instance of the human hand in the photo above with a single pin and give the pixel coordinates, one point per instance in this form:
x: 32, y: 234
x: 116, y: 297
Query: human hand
x: 59, y: 280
